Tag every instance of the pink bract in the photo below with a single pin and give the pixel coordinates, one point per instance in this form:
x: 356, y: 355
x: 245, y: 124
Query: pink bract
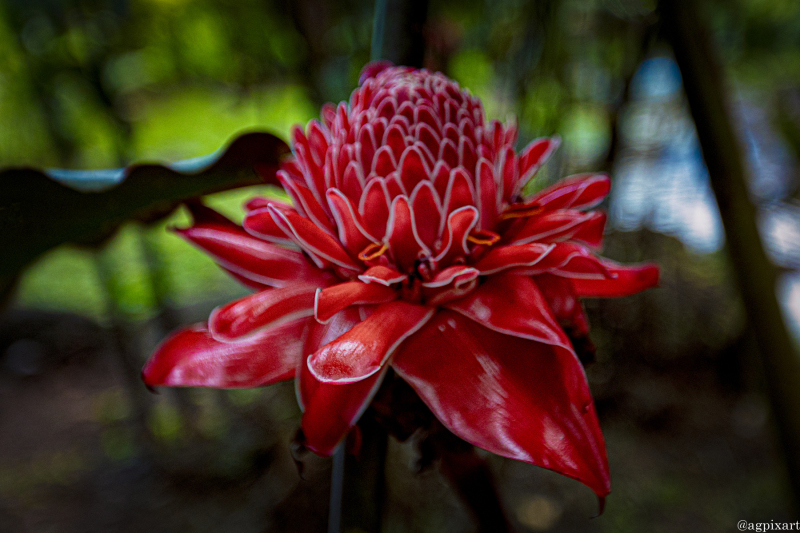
x: 409, y: 243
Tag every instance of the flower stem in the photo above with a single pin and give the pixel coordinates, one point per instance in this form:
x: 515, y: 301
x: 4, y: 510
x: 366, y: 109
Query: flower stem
x: 364, y: 485
x: 337, y: 485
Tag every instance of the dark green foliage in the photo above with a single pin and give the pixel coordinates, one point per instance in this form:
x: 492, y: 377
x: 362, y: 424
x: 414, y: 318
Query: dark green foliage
x: 39, y: 210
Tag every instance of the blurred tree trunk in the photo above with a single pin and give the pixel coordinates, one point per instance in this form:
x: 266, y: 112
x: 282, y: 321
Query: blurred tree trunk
x: 707, y: 97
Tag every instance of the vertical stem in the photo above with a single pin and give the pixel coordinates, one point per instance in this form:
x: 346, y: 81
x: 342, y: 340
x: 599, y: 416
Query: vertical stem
x: 337, y: 485
x: 365, y: 480
x: 705, y: 92
x: 360, y: 480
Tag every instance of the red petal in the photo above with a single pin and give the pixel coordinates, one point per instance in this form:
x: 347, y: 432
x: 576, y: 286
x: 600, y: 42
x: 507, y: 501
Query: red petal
x: 256, y: 202
x: 514, y: 397
x: 313, y: 173
x: 448, y: 154
x: 454, y: 238
x: 352, y: 233
x: 512, y: 305
x: 353, y: 181
x: 624, y: 281
x: 313, y: 240
x: 328, y: 113
x: 333, y: 299
x: 252, y: 258
x: 466, y: 149
x: 533, y: 157
x: 503, y: 258
x: 394, y: 185
x: 374, y: 207
x: 246, y: 282
x: 386, y: 110
x: 457, y: 274
x: 384, y: 162
x: 368, y: 145
x: 559, y: 225
x: 401, y: 235
x: 260, y: 223
x: 318, y: 141
x: 563, y: 302
x: 576, y: 192
x: 572, y: 261
x: 330, y: 410
x: 306, y: 202
x: 563, y: 258
x: 509, y: 174
x: 412, y: 168
x: 383, y: 275
x: 449, y: 284
x: 363, y: 351
x: 333, y: 409
x: 428, y: 137
x: 427, y: 212
x: 292, y: 168
x: 460, y: 191
x: 425, y: 115
x: 591, y: 231
x: 262, y: 310
x: 372, y: 69
x: 192, y: 358
x: 319, y: 335
x: 487, y: 194
x: 395, y: 140
x: 406, y: 109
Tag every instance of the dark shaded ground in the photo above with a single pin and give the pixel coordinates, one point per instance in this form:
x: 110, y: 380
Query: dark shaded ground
x: 690, y: 443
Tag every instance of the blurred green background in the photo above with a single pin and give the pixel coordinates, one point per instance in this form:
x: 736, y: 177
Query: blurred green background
x: 104, y: 83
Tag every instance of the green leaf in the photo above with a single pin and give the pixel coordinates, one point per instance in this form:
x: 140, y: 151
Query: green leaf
x: 41, y: 209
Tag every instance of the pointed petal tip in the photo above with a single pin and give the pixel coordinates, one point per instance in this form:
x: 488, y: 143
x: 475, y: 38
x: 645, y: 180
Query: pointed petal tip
x: 650, y: 275
x: 146, y: 380
x: 556, y: 432
x: 625, y: 280
x: 191, y: 357
x: 601, y: 506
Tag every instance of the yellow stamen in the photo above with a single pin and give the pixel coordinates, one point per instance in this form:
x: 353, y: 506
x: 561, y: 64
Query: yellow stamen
x: 373, y: 251
x: 484, y: 237
x: 520, y: 211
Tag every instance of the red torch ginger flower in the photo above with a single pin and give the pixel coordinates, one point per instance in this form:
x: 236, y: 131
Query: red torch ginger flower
x: 409, y: 244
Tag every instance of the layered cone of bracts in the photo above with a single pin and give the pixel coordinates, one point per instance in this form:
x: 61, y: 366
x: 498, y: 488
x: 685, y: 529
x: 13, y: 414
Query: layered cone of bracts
x: 410, y: 244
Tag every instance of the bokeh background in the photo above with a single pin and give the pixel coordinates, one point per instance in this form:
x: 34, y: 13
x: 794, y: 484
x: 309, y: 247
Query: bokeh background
x: 678, y: 382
